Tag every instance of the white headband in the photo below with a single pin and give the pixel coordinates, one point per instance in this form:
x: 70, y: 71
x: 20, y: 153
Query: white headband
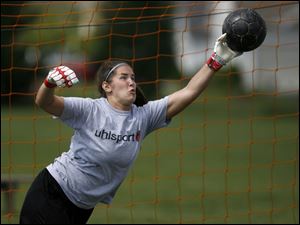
x: 115, y: 67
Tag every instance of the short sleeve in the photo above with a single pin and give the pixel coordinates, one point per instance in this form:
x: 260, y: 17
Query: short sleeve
x: 156, y: 113
x: 76, y: 111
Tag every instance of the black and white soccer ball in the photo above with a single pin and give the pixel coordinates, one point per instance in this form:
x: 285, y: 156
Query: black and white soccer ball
x: 246, y: 30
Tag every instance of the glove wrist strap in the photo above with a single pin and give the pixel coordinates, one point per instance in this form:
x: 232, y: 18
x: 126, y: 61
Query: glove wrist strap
x: 213, y: 63
x: 48, y: 84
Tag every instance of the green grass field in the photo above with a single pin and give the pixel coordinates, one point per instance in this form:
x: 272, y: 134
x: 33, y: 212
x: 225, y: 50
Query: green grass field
x: 220, y: 161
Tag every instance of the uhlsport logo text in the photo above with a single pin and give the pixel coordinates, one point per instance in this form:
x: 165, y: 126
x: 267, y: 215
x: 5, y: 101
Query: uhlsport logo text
x: 108, y: 135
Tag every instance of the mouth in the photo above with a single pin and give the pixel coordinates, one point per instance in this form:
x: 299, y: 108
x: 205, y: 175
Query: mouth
x: 132, y: 91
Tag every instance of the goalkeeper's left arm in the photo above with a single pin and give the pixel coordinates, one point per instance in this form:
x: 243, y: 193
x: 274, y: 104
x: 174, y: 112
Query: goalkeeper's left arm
x: 61, y: 76
x: 179, y: 100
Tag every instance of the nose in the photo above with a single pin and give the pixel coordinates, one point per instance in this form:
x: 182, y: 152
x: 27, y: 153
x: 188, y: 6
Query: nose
x: 131, y: 81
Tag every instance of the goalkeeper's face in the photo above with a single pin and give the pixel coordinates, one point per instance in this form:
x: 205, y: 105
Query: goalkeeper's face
x: 122, y: 86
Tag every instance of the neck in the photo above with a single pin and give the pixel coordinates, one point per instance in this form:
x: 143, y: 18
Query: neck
x: 117, y: 105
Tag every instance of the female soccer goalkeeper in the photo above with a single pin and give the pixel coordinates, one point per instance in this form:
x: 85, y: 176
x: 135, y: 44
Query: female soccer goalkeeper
x: 107, y: 137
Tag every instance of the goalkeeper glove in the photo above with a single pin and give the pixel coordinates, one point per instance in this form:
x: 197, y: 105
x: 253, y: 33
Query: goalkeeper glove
x: 222, y: 54
x: 61, y: 76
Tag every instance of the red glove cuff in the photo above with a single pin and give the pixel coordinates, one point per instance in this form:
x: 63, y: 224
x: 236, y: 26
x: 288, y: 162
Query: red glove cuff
x: 48, y: 84
x: 213, y: 64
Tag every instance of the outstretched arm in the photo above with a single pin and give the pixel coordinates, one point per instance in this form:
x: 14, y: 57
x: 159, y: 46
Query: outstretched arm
x: 179, y: 100
x: 60, y: 76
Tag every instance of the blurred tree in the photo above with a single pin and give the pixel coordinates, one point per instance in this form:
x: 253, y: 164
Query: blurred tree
x: 134, y: 31
x: 12, y: 82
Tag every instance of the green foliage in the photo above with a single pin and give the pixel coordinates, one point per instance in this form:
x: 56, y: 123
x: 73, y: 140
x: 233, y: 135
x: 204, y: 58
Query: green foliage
x: 52, y: 34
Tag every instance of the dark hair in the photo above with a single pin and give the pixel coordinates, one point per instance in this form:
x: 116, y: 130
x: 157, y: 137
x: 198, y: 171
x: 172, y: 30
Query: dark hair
x: 103, y: 72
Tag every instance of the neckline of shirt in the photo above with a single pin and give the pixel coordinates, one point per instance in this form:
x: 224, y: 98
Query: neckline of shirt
x: 117, y: 110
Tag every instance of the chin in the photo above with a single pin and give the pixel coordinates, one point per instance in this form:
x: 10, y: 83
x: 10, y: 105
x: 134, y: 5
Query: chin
x: 129, y: 101
x: 132, y: 99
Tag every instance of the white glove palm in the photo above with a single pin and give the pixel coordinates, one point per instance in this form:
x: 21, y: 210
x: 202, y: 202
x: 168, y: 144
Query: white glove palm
x: 223, y: 53
x: 61, y: 76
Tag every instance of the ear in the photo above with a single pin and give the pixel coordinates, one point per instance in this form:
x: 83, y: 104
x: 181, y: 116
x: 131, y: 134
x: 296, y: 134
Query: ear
x: 106, y: 87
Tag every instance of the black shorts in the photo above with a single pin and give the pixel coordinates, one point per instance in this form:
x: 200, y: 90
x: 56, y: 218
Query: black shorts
x: 46, y: 203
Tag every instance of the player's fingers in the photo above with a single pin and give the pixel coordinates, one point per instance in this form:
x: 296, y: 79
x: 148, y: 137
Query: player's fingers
x: 63, y: 68
x: 68, y: 72
x: 63, y: 84
x: 71, y: 76
x: 222, y: 38
x: 60, y: 82
x: 238, y: 54
x: 53, y: 73
x: 57, y: 77
x: 71, y: 79
x: 75, y: 80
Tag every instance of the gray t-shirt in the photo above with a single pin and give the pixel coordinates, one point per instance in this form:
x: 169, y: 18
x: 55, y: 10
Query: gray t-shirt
x: 104, y: 146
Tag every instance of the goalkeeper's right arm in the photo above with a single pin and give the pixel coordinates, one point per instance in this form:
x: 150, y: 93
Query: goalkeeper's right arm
x: 61, y: 76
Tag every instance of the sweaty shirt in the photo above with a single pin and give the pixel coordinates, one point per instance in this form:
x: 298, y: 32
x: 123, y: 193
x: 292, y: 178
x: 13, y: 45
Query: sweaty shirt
x: 104, y: 146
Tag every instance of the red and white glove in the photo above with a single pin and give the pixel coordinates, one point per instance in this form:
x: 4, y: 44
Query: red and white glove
x: 61, y: 76
x: 222, y: 54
